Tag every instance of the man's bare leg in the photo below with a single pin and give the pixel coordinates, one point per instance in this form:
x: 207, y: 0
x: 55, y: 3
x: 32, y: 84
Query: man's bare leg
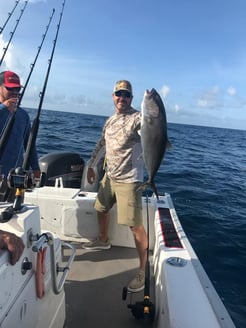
x: 103, y: 223
x: 141, y: 242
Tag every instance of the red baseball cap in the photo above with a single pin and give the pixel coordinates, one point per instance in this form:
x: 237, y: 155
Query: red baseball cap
x: 10, y: 79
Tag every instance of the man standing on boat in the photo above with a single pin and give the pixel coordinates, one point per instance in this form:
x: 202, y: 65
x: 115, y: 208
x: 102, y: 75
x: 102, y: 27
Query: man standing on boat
x: 11, y: 155
x: 120, y: 143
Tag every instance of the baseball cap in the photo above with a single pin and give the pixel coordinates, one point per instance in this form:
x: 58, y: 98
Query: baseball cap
x: 123, y: 85
x: 10, y: 79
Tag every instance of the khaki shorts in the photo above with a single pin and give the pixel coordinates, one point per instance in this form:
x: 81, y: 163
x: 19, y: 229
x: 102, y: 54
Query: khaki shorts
x: 128, y: 198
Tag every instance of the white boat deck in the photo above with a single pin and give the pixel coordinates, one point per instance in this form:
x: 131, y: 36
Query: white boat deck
x: 94, y: 289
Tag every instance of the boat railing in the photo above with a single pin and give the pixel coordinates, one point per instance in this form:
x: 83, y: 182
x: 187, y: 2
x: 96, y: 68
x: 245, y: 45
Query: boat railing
x: 47, y: 238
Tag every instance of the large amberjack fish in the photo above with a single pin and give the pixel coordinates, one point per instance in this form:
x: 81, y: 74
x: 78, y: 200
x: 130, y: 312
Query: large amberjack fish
x: 154, y: 138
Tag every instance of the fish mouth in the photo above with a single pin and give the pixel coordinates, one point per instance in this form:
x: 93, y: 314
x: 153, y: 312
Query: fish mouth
x: 150, y: 92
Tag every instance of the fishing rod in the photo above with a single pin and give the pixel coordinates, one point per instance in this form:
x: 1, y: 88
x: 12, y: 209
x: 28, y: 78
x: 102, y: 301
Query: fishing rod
x: 13, y: 32
x: 10, y: 122
x: 35, y: 125
x: 9, y: 15
x: 34, y: 62
x: 145, y: 309
x: 20, y: 179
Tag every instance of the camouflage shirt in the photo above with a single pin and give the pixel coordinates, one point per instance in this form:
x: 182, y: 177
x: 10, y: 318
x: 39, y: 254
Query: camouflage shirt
x: 120, y: 143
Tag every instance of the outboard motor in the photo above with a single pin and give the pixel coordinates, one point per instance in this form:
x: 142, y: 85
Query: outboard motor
x: 67, y: 165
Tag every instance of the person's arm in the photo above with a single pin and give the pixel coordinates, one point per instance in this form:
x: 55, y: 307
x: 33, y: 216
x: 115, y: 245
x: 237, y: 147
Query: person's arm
x: 97, y: 154
x: 13, y: 244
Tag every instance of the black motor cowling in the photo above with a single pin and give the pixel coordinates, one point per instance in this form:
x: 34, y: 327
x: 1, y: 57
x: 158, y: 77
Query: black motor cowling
x: 67, y: 165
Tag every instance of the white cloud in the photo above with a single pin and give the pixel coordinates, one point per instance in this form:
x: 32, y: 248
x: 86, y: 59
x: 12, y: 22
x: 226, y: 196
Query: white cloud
x: 8, y: 6
x: 210, y: 98
x: 203, y: 103
x: 7, y: 57
x: 216, y: 98
x: 165, y: 90
x: 2, y: 43
x: 13, y: 58
x: 231, y: 91
x: 177, y: 108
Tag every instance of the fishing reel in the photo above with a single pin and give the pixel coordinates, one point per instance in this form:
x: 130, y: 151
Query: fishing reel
x: 141, y: 310
x: 20, y: 179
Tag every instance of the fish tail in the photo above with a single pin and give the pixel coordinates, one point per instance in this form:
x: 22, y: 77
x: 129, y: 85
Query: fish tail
x: 151, y: 184
x: 142, y: 186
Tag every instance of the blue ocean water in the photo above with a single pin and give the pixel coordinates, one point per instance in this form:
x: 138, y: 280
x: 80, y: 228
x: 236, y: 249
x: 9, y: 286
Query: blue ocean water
x: 205, y: 173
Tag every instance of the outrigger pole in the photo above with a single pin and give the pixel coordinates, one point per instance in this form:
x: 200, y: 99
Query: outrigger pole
x: 35, y: 125
x: 10, y: 122
x: 12, y: 33
x: 9, y: 15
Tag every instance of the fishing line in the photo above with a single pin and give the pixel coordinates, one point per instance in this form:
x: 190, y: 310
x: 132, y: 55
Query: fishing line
x: 9, y: 15
x: 12, y: 33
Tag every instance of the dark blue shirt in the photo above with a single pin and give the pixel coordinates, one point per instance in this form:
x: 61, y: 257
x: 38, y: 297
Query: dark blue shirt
x: 13, y: 151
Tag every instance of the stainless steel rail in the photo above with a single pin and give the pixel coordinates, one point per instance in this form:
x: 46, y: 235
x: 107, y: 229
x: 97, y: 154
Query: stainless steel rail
x: 47, y: 238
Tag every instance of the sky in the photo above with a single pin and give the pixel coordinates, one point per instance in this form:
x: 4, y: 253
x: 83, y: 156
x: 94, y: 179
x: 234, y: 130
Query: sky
x: 193, y: 52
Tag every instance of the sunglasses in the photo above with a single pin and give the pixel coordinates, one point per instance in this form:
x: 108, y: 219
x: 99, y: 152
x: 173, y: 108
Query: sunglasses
x: 13, y: 89
x: 123, y: 93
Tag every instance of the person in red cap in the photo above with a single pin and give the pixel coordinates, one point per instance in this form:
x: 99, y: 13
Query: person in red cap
x: 121, y: 144
x: 12, y: 152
